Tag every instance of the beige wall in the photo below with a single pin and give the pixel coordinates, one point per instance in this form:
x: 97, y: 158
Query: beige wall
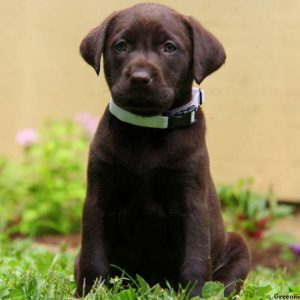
x: 252, y: 107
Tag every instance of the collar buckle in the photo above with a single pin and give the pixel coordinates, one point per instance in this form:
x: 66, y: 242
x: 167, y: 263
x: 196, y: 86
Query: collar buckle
x: 183, y: 118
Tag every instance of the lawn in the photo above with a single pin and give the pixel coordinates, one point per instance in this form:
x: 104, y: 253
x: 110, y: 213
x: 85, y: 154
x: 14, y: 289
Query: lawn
x: 32, y: 271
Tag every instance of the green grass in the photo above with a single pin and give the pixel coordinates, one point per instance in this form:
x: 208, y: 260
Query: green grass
x: 28, y: 271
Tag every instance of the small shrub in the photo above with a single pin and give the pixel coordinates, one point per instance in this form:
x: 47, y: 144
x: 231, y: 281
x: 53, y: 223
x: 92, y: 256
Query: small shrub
x: 249, y: 212
x: 44, y: 192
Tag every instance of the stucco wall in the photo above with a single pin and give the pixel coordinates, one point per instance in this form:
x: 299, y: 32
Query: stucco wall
x: 252, y: 107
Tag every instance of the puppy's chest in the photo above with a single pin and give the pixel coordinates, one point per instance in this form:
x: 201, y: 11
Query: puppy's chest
x: 156, y: 193
x: 141, y: 153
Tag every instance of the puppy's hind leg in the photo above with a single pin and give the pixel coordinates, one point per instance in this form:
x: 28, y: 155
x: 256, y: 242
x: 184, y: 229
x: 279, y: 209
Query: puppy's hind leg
x: 233, y: 267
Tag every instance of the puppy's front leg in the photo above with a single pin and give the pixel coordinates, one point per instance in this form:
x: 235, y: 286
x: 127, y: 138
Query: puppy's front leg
x: 91, y: 263
x: 196, y: 268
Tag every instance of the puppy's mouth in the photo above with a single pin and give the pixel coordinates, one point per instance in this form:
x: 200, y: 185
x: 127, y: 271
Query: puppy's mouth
x: 144, y: 102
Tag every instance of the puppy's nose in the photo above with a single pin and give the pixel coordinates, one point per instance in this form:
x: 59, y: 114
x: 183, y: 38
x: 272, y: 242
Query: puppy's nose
x: 140, y: 76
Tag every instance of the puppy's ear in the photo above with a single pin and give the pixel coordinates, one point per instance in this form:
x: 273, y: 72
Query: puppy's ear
x: 92, y: 45
x: 208, y: 53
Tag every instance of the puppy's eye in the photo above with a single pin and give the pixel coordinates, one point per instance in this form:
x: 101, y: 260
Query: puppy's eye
x: 169, y: 47
x: 121, y: 46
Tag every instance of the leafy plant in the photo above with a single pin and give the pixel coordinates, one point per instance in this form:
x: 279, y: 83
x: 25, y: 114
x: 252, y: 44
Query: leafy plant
x: 44, y: 192
x: 250, y: 212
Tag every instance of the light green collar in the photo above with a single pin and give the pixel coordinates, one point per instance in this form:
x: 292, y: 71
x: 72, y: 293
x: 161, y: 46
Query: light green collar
x: 181, y: 116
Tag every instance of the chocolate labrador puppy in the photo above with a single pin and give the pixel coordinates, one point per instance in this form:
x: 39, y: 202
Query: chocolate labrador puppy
x: 151, y: 207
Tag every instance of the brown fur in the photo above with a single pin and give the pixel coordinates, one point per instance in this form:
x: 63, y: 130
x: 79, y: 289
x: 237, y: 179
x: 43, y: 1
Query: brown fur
x: 151, y: 206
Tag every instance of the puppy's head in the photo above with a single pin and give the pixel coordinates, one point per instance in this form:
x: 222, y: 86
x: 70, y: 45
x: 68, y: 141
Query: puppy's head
x: 151, y: 56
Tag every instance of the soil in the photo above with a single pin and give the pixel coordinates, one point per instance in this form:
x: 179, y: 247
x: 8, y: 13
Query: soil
x: 71, y: 241
x: 270, y: 257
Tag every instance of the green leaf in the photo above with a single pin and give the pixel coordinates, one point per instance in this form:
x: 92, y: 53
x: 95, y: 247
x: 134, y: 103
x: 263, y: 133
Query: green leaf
x: 144, y: 286
x: 213, y: 289
x: 128, y: 294
x: 4, y: 292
